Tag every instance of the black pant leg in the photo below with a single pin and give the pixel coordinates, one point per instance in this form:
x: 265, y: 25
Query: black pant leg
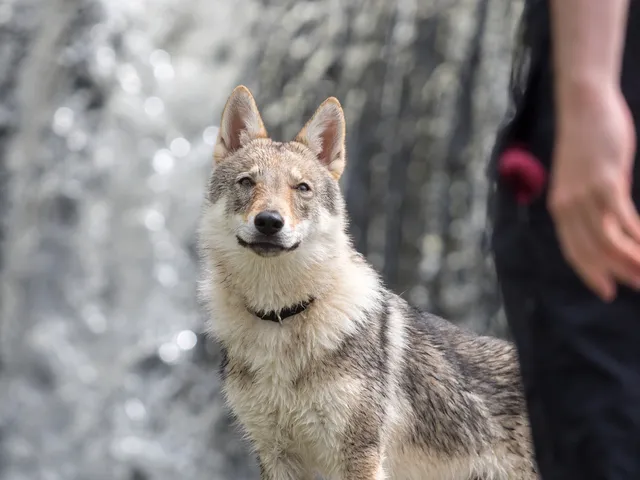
x: 580, y: 357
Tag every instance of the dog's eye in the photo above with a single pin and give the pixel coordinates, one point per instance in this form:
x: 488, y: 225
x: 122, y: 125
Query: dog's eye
x: 246, y: 182
x: 303, y: 187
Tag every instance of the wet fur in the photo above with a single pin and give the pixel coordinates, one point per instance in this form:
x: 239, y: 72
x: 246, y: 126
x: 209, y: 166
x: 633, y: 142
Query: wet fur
x: 360, y: 386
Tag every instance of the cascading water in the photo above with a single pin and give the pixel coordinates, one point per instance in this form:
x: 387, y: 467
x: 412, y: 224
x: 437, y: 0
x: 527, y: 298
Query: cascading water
x: 108, y: 115
x: 113, y: 109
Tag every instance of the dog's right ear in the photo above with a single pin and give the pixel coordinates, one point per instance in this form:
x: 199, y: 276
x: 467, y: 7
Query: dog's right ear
x: 324, y: 134
x: 241, y: 123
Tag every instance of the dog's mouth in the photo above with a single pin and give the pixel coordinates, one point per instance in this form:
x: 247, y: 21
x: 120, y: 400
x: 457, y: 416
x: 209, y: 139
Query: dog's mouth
x: 266, y: 247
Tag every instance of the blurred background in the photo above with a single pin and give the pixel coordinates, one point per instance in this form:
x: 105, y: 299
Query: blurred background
x: 108, y: 115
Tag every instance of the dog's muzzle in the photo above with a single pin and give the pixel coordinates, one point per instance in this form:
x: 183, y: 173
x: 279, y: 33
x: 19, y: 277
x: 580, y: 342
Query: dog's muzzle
x: 267, y: 246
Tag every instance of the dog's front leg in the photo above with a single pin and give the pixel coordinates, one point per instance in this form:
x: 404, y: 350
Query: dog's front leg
x: 362, y: 456
x: 365, y: 465
x: 280, y: 466
x: 363, y: 446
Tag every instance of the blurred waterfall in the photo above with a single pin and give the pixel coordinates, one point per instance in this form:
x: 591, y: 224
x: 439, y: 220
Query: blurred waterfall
x: 108, y: 114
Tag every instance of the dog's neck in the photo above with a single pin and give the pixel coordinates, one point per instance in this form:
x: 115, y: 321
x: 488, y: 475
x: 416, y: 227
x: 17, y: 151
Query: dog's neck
x: 274, y: 284
x: 284, y: 313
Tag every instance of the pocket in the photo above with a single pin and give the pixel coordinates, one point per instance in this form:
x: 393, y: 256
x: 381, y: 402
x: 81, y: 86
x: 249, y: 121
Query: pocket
x: 509, y: 235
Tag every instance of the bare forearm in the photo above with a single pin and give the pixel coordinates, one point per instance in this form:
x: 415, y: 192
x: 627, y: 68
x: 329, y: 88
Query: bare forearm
x: 588, y: 43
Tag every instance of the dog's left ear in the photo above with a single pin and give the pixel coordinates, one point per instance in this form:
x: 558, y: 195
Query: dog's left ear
x: 241, y: 123
x: 324, y: 135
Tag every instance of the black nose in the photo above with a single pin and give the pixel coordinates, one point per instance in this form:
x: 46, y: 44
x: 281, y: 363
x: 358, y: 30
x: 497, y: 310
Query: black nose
x: 269, y: 222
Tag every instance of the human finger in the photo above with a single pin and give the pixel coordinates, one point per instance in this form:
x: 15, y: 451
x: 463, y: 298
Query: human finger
x: 581, y: 250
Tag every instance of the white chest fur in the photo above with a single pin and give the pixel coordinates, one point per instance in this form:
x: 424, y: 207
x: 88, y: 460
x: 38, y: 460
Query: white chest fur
x: 276, y: 381
x: 290, y: 415
x: 278, y: 387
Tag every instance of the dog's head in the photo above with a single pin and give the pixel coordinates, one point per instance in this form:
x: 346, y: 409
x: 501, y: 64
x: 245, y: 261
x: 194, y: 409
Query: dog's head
x: 268, y: 198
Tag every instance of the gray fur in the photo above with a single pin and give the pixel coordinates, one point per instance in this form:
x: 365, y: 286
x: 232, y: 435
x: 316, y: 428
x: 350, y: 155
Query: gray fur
x: 360, y: 385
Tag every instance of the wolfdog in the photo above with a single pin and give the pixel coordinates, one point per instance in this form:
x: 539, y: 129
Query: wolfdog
x: 326, y: 370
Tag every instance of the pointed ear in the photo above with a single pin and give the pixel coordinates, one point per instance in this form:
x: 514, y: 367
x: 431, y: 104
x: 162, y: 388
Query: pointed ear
x: 324, y: 135
x: 240, y: 123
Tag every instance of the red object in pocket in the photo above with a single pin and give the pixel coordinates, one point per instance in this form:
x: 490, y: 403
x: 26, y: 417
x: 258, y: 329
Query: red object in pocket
x: 523, y: 173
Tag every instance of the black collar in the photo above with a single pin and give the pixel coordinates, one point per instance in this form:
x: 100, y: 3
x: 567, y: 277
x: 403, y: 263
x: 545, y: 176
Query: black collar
x: 278, y: 316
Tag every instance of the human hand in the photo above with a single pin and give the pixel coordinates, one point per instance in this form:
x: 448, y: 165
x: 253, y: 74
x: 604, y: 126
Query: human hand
x: 590, y: 189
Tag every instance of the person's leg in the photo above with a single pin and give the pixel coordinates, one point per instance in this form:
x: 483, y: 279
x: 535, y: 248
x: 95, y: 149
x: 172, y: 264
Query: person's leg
x: 514, y: 276
x: 580, y: 357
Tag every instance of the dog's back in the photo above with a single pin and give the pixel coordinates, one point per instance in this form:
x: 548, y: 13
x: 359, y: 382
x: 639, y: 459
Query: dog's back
x: 459, y: 403
x: 326, y: 370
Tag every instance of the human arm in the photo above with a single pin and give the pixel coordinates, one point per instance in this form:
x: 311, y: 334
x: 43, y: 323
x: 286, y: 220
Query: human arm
x: 589, y: 199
